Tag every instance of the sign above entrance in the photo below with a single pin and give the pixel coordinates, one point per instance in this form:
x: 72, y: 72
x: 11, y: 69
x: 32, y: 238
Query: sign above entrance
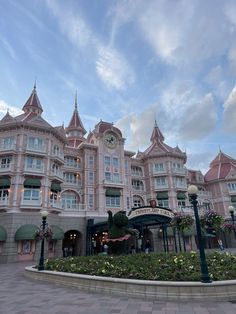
x: 150, y: 211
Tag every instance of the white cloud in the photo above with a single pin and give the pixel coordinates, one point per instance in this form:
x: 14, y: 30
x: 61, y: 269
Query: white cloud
x: 200, y: 119
x: 113, y: 69
x: 229, y: 115
x: 4, y: 107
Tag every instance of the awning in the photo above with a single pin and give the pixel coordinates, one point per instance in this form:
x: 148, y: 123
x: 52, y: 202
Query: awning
x: 55, y: 186
x: 181, y: 196
x: 5, y: 182
x: 57, y: 233
x: 233, y: 198
x: 162, y: 196
x: 32, y: 182
x: 3, y: 234
x: 26, y: 232
x: 112, y: 192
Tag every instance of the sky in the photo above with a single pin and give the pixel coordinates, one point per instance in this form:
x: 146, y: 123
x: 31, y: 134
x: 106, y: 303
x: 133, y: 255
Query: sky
x: 131, y: 63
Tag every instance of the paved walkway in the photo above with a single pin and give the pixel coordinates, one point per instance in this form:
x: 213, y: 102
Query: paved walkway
x: 19, y: 295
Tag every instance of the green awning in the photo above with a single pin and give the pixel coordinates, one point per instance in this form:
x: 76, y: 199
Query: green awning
x: 112, y: 192
x: 162, y: 196
x: 233, y: 198
x: 26, y: 232
x: 5, y: 182
x: 32, y: 182
x: 55, y: 186
x: 181, y: 196
x: 57, y: 233
x: 3, y: 234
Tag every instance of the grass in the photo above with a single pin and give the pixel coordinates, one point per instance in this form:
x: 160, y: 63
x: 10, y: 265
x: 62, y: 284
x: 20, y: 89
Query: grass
x: 154, y: 266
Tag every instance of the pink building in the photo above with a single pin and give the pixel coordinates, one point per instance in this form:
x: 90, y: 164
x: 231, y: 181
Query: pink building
x: 77, y: 179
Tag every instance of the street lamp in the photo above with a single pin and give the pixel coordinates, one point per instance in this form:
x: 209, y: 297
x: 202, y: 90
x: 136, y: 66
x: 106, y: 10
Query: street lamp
x: 44, y: 215
x: 192, y: 191
x: 231, y: 211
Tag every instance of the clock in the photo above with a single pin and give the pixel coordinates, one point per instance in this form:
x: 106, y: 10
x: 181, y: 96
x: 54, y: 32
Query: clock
x: 110, y: 140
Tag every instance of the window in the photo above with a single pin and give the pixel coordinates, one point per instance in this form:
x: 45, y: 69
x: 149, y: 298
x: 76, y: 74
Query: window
x: 31, y: 194
x: 107, y: 176
x: 56, y: 150
x: 160, y: 182
x: 4, y: 194
x: 126, y: 166
x: 163, y: 203
x: 181, y: 203
x: 127, y: 202
x: 35, y: 143
x: 137, y: 171
x: 115, y: 162
x: 34, y: 163
x: 232, y: 186
x: 113, y: 201
x: 91, y: 177
x: 107, y: 161
x: 116, y: 177
x: 158, y: 167
x: 90, y: 200
x: 180, y: 182
x: 91, y: 161
x: 72, y: 162
x: 137, y: 203
x: 26, y: 246
x: 8, y: 142
x: 69, y: 200
x: 5, y: 162
x: 70, y: 177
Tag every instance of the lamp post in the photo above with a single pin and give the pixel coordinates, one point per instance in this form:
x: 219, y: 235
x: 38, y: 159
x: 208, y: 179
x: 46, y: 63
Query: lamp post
x: 231, y: 211
x: 192, y: 191
x: 44, y: 215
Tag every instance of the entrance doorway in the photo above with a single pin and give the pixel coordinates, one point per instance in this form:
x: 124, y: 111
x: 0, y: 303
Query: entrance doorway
x: 72, y: 245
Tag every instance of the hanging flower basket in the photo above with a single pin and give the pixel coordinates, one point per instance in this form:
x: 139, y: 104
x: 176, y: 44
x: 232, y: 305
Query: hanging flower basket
x: 228, y: 227
x: 212, y: 220
x: 182, y: 221
x: 41, y: 234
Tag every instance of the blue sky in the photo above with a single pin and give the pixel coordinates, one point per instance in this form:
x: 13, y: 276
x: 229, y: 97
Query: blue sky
x: 131, y: 62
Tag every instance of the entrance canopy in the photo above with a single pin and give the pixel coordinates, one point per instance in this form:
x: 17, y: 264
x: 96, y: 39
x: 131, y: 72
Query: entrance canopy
x: 150, y: 215
x: 26, y: 232
x: 3, y: 234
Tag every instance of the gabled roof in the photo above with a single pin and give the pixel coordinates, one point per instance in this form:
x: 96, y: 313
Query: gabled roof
x: 7, y: 118
x: 33, y: 102
x: 220, y: 167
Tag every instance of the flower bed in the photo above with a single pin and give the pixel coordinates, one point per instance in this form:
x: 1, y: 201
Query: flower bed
x: 154, y: 266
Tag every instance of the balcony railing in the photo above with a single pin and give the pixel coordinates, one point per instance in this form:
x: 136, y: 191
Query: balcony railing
x: 138, y: 188
x: 161, y: 186
x: 4, y: 200
x: 73, y: 183
x: 9, y: 146
x: 36, y: 148
x: 179, y: 170
x: 58, y: 174
x: 74, y: 207
x: 31, y: 202
x: 55, y: 203
x: 113, y: 182
x: 34, y: 168
x: 6, y: 167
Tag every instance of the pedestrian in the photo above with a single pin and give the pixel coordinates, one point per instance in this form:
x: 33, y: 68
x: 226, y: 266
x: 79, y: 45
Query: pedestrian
x: 147, y: 246
x: 220, y: 244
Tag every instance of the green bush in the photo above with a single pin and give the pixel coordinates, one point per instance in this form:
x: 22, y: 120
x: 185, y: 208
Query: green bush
x: 154, y: 266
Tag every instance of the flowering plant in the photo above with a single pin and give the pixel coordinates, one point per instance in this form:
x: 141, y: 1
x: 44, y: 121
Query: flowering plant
x: 41, y: 234
x: 212, y: 220
x: 182, y: 221
x: 228, y: 227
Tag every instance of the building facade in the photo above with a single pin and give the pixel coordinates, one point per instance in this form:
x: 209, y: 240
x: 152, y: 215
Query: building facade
x: 77, y: 179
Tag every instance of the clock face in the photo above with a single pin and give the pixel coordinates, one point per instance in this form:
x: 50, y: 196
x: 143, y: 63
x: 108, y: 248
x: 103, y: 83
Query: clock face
x: 110, y: 140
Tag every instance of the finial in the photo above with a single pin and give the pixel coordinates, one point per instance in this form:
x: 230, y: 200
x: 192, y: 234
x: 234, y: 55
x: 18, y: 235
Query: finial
x: 63, y: 124
x: 219, y: 149
x: 155, y: 123
x: 35, y: 83
x: 76, y: 108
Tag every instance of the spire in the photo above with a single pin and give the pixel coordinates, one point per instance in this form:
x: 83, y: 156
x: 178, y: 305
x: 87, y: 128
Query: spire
x: 75, y: 122
x: 157, y: 136
x: 76, y: 108
x: 33, y: 103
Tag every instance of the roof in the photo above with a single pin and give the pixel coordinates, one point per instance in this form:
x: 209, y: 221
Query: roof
x: 75, y: 122
x: 220, y: 167
x: 33, y: 101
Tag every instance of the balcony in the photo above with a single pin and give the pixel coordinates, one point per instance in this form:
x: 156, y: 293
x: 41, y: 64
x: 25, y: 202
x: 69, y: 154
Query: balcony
x: 34, y: 169
x: 4, y: 201
x: 7, y: 147
x: 205, y: 194
x: 182, y: 186
x: 138, y: 188
x: 59, y: 157
x: 57, y: 175
x: 157, y: 172
x: 76, y: 183
x: 6, y: 168
x: 112, y: 182
x: 56, y: 203
x: 161, y: 186
x: 40, y: 149
x: 31, y: 203
x: 179, y: 171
